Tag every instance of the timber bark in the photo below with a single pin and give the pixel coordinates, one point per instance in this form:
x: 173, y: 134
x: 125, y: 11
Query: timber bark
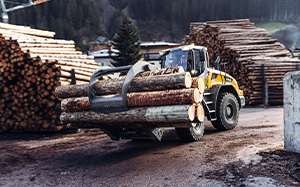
x: 138, y: 84
x: 160, y: 114
x: 155, y: 98
x: 151, y: 124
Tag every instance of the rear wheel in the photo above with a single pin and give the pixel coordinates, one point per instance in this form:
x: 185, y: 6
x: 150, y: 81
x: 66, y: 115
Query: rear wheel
x: 227, y: 112
x: 192, y: 133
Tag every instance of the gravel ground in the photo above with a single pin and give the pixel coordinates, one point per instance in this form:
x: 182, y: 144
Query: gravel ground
x: 249, y: 155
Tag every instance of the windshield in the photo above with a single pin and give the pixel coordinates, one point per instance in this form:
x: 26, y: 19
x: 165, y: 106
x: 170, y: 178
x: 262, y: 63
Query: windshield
x: 175, y: 58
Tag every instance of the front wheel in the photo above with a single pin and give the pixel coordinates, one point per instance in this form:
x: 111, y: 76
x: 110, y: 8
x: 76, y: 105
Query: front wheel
x: 192, y: 133
x: 227, y: 112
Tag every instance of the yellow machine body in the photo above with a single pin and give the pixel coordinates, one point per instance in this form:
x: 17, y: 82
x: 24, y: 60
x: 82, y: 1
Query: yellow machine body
x: 216, y: 77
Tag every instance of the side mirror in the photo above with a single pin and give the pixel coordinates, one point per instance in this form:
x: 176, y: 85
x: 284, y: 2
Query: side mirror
x: 217, y: 63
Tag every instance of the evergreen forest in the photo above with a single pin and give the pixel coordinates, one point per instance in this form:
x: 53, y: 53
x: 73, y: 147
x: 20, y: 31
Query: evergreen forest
x: 86, y: 20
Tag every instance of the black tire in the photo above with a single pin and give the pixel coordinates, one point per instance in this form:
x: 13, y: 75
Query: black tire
x: 191, y: 134
x: 227, y: 112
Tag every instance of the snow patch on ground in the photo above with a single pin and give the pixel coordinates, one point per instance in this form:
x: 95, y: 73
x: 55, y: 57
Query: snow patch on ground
x: 249, y: 153
x: 261, y: 181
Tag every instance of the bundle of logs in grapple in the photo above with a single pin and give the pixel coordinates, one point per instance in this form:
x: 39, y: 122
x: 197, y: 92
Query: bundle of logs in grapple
x: 160, y: 98
x: 243, y: 49
x: 32, y: 65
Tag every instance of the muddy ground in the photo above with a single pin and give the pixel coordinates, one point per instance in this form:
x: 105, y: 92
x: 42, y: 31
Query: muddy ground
x: 250, y: 155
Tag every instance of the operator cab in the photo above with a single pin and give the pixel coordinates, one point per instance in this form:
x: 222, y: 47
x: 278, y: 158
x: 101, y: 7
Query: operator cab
x: 192, y: 58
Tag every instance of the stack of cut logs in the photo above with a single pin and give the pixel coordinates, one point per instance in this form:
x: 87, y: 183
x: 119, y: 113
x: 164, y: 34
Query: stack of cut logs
x: 32, y: 66
x: 160, y: 98
x: 39, y: 43
x: 243, y: 49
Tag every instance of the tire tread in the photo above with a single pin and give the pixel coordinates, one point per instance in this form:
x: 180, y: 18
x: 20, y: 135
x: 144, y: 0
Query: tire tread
x: 219, y: 124
x: 188, y: 134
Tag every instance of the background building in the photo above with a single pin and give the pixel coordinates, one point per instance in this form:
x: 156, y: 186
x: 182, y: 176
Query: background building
x: 149, y: 49
x: 103, y: 56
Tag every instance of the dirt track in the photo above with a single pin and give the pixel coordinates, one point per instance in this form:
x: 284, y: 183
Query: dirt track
x: 90, y: 158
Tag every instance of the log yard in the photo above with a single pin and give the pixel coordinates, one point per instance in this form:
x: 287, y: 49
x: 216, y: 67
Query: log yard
x: 221, y: 110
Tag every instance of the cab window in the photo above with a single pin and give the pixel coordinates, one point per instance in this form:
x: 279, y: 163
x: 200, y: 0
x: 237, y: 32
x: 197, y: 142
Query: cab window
x: 199, y: 61
x: 176, y: 58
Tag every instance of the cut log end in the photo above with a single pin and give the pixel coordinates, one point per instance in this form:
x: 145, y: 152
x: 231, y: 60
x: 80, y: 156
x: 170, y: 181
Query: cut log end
x: 201, y: 85
x: 191, y: 112
x: 197, y: 96
x: 201, y: 97
x: 198, y: 82
x: 188, y: 80
x: 180, y: 69
x: 200, y: 112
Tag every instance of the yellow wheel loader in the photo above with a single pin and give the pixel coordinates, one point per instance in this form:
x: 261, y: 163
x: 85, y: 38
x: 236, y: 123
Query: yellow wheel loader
x: 222, y: 98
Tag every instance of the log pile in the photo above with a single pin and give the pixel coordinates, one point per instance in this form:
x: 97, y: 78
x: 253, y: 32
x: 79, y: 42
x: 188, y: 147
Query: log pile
x: 27, y: 91
x: 38, y: 43
x: 32, y: 66
x: 159, y: 98
x: 274, y: 70
x: 243, y: 49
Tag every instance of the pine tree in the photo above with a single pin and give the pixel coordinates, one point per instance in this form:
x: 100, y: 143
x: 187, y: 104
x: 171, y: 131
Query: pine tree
x: 127, y: 42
